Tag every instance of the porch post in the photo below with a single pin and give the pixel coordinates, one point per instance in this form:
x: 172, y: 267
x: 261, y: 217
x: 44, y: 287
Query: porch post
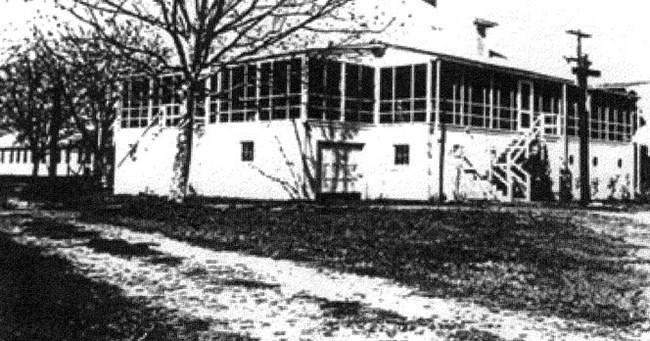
x: 208, y: 97
x: 342, y: 87
x: 638, y: 152
x: 429, y: 129
x: 429, y: 104
x: 439, y: 133
x: 220, y: 93
x: 375, y: 115
x: 304, y: 87
x: 565, y: 134
x: 149, y: 103
x: 490, y: 123
x: 437, y: 109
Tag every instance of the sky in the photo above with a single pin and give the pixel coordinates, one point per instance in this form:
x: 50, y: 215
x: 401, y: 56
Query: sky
x: 620, y: 43
x: 532, y: 31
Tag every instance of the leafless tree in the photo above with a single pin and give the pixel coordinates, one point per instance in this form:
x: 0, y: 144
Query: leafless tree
x: 33, y: 95
x: 22, y: 107
x: 204, y: 34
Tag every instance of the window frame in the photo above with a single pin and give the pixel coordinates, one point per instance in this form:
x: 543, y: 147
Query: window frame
x: 247, y: 151
x: 402, y: 154
x: 396, y: 108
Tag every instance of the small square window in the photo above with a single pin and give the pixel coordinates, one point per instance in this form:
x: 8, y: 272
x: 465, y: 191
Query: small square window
x: 594, y: 161
x: 620, y: 163
x: 571, y: 160
x: 402, y: 154
x: 247, y: 151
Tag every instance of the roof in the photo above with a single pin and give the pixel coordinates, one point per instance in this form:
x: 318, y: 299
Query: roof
x: 453, y: 32
x: 483, y: 64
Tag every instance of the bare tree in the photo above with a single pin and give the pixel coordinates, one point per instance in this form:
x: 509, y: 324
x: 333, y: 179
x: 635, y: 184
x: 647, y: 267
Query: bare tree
x: 64, y: 83
x: 97, y: 70
x: 208, y: 33
x: 33, y: 100
x: 22, y: 105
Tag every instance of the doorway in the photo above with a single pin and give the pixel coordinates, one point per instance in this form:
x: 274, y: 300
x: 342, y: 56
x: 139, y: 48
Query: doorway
x: 339, y: 170
x: 525, y: 105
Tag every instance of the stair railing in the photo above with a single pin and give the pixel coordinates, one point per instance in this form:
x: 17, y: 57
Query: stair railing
x: 506, y: 168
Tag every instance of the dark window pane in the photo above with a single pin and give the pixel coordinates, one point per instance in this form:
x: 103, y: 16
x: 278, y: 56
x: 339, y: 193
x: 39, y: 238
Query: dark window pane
x: 402, y: 154
x: 420, y: 81
x: 295, y: 78
x: 525, y: 96
x: 403, y: 82
x: 237, y: 92
x: 316, y: 76
x: 247, y: 151
x: 280, y: 77
x: 333, y: 78
x: 386, y: 81
x: 352, y: 80
x: 385, y: 118
x: 265, y: 81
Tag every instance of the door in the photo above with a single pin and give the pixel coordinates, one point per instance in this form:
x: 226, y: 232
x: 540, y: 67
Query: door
x: 525, y: 105
x: 339, y: 168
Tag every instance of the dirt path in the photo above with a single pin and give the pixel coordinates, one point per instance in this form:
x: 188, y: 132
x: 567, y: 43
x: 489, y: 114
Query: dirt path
x: 283, y: 300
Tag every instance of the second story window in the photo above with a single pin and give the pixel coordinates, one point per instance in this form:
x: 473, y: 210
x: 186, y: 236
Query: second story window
x: 402, y: 154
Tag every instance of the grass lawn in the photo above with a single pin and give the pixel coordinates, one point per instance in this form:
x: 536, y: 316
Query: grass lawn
x: 541, y: 264
x: 42, y: 298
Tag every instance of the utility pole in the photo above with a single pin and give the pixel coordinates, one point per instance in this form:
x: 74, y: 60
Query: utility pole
x: 583, y: 72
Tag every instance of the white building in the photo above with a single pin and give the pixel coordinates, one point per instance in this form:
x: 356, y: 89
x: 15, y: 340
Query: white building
x: 379, y: 120
x: 16, y: 159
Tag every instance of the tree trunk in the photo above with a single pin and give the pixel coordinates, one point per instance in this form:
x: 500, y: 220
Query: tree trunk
x: 108, y: 156
x: 184, y: 144
x: 55, y: 127
x: 36, y: 158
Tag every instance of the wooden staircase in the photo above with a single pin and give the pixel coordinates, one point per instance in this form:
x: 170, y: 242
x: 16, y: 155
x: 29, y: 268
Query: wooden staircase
x: 507, y: 180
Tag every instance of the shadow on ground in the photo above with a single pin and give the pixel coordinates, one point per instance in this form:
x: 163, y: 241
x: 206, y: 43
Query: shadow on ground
x: 43, y: 298
x: 539, y: 263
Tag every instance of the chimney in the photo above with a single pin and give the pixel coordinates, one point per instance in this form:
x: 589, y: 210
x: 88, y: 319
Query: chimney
x: 482, y: 27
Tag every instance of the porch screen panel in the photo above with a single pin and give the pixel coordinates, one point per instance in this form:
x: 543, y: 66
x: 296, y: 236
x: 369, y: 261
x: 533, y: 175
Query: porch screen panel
x: 359, y: 93
x: 420, y: 92
x: 403, y: 94
x: 124, y: 109
x: 170, y: 100
x: 448, y: 84
x: 235, y: 108
x: 548, y: 102
x: 251, y: 106
x: 266, y: 81
x: 477, y: 89
x: 599, y: 115
x: 465, y: 97
x: 434, y: 103
x: 135, y: 103
x: 280, y: 89
x: 200, y: 94
x: 386, y: 104
x: 573, y: 93
x: 324, y: 89
x: 215, y: 96
x: 403, y: 105
x: 504, y: 102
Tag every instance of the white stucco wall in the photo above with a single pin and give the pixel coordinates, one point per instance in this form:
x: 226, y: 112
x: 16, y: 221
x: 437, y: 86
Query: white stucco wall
x: 277, y: 171
x: 608, y: 154
x: 217, y: 169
